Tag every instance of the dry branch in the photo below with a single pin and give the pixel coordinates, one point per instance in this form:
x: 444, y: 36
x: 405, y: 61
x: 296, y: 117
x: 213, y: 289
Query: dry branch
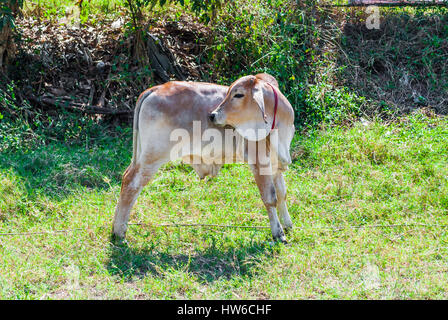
x: 46, y: 101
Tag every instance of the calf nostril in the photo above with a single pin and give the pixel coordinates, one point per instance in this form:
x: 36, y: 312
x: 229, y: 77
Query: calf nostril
x: 212, y: 116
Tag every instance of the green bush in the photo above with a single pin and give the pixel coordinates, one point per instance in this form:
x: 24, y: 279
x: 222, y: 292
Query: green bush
x: 283, y: 38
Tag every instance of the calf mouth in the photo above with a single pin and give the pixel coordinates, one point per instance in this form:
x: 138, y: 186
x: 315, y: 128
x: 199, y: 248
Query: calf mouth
x: 216, y: 119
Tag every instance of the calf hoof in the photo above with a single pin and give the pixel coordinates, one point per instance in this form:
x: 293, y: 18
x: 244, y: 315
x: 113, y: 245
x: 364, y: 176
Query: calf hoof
x: 288, y: 230
x: 281, y: 239
x: 118, y: 237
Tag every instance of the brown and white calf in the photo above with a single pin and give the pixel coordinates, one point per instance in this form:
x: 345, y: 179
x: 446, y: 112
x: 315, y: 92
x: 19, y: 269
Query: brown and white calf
x: 250, y: 114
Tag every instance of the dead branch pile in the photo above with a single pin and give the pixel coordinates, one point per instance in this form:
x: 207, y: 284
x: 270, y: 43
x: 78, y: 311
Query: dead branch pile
x: 402, y: 64
x: 90, y: 69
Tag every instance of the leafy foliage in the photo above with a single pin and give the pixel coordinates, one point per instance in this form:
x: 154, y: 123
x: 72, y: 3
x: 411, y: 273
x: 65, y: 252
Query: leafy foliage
x: 323, y: 64
x: 403, y: 63
x: 8, y: 11
x: 282, y: 38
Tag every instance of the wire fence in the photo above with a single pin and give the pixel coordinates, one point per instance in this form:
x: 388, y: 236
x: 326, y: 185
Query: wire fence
x: 389, y: 3
x: 222, y: 226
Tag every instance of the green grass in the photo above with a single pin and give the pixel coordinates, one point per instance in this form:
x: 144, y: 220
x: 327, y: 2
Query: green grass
x: 56, y: 9
x: 369, y: 175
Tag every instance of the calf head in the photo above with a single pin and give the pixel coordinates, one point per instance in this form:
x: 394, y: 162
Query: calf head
x: 244, y: 108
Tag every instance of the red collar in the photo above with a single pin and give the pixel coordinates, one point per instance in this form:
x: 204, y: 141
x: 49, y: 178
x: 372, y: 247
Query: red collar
x: 275, y: 105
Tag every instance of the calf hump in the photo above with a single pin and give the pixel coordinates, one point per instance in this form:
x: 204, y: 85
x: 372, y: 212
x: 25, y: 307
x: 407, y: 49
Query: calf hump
x: 268, y: 78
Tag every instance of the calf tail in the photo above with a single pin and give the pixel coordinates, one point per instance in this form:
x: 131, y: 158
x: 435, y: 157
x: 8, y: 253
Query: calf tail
x: 140, y: 100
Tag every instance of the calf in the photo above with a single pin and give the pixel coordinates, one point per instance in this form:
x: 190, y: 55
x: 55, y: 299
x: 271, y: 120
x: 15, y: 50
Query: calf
x: 250, y: 121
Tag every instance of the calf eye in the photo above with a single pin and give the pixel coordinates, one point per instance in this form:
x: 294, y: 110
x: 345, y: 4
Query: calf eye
x: 238, y: 95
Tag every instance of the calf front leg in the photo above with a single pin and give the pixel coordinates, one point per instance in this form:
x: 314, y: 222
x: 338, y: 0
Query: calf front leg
x: 280, y: 188
x: 268, y: 195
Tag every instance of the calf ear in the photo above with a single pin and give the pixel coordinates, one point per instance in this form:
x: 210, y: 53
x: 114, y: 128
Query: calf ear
x: 258, y: 96
x: 257, y: 127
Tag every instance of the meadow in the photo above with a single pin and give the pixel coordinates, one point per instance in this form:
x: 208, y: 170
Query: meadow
x: 369, y: 202
x: 367, y: 189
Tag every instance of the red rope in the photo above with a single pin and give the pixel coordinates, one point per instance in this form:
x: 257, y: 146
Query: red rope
x: 275, y: 104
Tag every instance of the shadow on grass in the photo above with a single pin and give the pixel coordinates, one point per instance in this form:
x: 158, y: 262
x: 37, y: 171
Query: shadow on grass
x: 56, y: 168
x: 209, y: 264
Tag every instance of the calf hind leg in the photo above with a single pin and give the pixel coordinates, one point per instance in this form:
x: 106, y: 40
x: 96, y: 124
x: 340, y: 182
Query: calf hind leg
x: 134, y: 179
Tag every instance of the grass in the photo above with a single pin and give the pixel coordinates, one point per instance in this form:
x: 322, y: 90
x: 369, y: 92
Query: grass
x: 57, y: 174
x: 56, y: 9
x: 363, y: 175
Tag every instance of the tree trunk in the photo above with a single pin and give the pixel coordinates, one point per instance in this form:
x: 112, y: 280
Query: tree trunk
x: 162, y: 61
x: 7, y: 45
